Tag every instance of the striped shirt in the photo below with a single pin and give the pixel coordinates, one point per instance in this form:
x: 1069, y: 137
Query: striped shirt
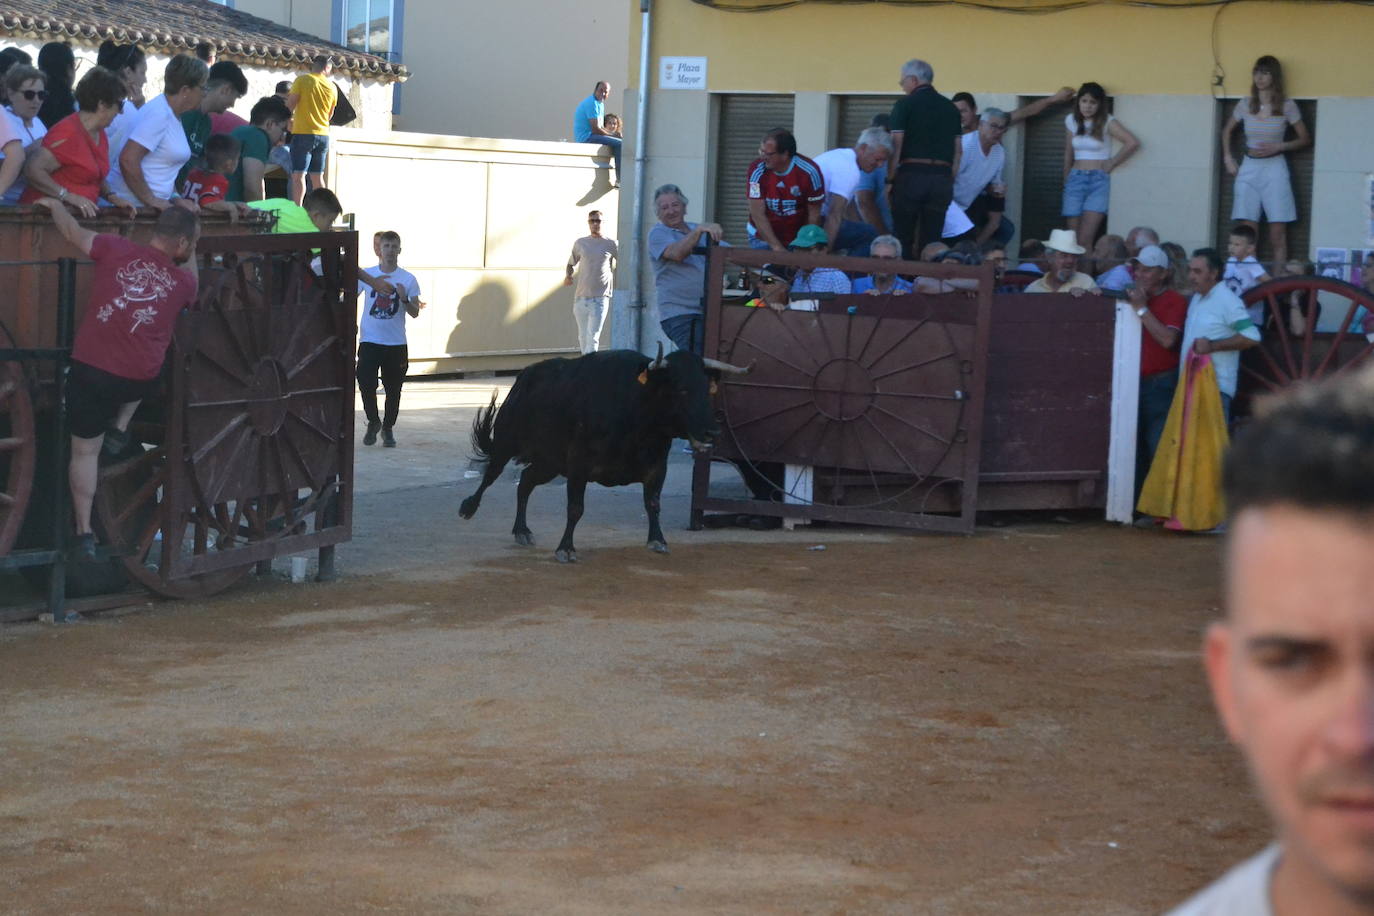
x: 1265, y: 127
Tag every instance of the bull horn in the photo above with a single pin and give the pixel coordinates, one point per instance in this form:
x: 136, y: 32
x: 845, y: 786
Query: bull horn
x: 658, y: 362
x: 726, y: 367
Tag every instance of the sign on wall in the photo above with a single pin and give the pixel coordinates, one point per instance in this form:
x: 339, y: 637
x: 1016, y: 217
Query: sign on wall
x: 682, y: 73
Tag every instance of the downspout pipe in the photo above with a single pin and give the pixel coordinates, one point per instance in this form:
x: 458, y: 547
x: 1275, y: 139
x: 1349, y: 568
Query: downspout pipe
x: 640, y: 192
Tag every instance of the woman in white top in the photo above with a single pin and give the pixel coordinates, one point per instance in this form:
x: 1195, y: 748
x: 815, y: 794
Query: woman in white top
x: 1263, y: 185
x: 26, y: 89
x: 152, y: 145
x: 1088, y: 161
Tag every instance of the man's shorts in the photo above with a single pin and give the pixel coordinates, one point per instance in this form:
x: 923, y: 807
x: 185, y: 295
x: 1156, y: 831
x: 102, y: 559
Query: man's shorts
x: 1086, y: 189
x: 308, y: 152
x: 1264, y: 185
x: 94, y: 397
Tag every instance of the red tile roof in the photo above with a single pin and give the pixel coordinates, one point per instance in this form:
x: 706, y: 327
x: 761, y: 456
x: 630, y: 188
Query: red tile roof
x: 177, y: 25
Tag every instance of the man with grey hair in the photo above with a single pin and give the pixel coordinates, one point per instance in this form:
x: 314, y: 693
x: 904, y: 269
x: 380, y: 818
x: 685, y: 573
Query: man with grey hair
x: 978, y: 187
x: 679, y: 271
x: 885, y: 247
x: 925, y: 158
x: 1123, y: 275
x: 843, y: 170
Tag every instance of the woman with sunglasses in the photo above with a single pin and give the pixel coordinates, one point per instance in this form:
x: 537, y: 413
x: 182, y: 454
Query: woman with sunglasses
x: 24, y: 88
x: 72, y: 162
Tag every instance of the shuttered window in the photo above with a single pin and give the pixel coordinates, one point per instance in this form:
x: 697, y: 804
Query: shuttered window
x: 854, y: 113
x: 744, y: 119
x: 1042, y: 176
x: 1299, y: 168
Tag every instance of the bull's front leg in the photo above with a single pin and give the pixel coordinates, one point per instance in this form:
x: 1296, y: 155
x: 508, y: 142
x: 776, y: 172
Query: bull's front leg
x: 653, y: 492
x: 577, y: 491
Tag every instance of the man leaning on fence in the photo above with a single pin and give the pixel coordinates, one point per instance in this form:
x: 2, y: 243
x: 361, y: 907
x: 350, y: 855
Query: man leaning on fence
x: 679, y: 272
x: 137, y: 292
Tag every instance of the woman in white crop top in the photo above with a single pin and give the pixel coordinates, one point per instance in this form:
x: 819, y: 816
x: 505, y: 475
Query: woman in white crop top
x: 1088, y: 161
x: 1263, y: 185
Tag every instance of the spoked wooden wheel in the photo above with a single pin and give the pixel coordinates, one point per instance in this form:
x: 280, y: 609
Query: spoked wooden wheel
x: 250, y: 448
x: 17, y: 446
x: 1292, y: 349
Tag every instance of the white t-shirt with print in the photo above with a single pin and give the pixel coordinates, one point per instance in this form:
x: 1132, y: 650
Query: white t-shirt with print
x: 1243, y: 275
x: 157, y: 129
x: 384, y: 317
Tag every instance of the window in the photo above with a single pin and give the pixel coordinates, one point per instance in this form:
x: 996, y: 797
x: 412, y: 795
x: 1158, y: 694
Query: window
x: 1042, y: 176
x: 368, y: 27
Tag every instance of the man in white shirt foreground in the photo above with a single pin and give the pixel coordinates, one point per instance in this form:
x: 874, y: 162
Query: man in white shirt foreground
x: 1292, y: 665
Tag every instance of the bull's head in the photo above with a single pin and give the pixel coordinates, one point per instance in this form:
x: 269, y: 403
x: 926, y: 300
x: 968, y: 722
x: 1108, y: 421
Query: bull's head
x: 681, y: 384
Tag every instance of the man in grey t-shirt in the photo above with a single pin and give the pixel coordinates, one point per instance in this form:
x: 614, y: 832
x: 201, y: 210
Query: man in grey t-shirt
x: 592, y: 263
x: 1291, y: 666
x: 679, y: 275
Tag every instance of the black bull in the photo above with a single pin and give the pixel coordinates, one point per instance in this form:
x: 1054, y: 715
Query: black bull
x: 606, y: 418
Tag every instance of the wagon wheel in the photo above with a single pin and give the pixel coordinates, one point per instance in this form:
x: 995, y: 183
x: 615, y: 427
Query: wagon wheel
x: 1285, y: 357
x: 876, y: 406
x: 17, y: 446
x: 256, y: 424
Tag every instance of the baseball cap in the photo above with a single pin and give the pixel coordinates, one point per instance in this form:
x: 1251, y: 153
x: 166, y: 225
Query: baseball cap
x: 809, y: 236
x: 1152, y: 256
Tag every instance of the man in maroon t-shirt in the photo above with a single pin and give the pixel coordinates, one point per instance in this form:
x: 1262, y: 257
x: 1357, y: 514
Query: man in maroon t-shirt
x: 137, y: 292
x: 785, y: 191
x: 1162, y: 313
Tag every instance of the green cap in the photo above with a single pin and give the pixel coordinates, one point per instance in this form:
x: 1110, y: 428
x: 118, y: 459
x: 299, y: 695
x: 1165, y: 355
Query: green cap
x: 810, y: 236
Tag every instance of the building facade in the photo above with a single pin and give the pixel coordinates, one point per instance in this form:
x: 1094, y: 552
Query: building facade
x: 514, y: 69
x: 1172, y: 68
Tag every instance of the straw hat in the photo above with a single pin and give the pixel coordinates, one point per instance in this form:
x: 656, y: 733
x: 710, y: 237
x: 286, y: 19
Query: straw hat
x: 1066, y: 241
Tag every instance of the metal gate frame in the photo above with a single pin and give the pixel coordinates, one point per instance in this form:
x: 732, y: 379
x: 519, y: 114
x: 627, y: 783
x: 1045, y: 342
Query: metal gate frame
x: 838, y: 312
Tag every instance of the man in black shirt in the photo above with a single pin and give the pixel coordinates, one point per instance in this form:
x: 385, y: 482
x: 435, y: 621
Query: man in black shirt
x: 925, y: 134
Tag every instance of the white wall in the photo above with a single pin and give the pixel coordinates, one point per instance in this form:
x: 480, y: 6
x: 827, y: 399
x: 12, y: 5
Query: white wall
x: 1343, y: 162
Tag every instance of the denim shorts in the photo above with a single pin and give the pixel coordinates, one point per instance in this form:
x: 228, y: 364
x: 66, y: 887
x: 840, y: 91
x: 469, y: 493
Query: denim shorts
x: 1086, y: 189
x: 308, y: 152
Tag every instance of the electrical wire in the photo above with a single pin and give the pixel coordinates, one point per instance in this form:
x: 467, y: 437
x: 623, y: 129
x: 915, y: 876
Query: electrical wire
x: 1019, y: 7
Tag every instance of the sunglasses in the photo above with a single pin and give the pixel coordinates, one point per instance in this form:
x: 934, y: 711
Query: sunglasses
x: 593, y: 219
x: 31, y: 94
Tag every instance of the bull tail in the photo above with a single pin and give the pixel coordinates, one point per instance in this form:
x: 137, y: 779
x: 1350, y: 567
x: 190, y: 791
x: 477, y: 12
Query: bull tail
x: 481, y: 430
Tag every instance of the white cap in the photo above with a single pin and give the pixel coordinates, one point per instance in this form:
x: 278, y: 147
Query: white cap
x: 1152, y: 256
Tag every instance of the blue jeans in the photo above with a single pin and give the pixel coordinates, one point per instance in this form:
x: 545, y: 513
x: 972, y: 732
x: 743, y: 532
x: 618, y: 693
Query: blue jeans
x: 1086, y: 189
x: 1156, y: 397
x: 687, y: 332
x: 308, y: 152
x: 853, y: 237
x: 614, y: 143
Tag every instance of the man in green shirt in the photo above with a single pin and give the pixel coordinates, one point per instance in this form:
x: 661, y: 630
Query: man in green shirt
x: 315, y: 213
x: 225, y: 86
x: 264, y: 130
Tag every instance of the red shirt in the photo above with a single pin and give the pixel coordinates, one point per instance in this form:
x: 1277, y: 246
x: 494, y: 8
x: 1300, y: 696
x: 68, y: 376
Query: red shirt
x: 225, y: 122
x: 137, y: 292
x: 205, y: 187
x: 82, y: 162
x: 1172, y: 309
x: 785, y: 197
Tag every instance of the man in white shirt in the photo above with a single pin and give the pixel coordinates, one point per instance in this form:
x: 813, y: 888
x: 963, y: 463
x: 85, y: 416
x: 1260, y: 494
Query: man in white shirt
x: 1289, y: 666
x: 591, y: 273
x: 842, y: 169
x: 1217, y: 323
x: 978, y: 187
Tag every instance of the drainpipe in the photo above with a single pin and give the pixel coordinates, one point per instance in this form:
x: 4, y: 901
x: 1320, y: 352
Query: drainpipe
x: 641, y: 139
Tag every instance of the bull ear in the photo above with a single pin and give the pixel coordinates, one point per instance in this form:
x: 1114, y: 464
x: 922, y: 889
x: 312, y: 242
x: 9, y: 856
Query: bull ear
x: 644, y: 377
x: 714, y: 387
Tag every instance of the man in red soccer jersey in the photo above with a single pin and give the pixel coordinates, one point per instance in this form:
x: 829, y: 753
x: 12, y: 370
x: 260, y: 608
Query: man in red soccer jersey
x: 785, y: 192
x: 137, y: 292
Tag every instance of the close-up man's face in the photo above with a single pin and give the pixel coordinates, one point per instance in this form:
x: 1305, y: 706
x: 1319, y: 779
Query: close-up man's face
x: 602, y: 90
x: 992, y: 129
x: 885, y: 253
x: 871, y: 157
x: 1200, y: 274
x: 670, y: 209
x: 1150, y: 277
x: 1292, y: 673
x: 1063, y: 264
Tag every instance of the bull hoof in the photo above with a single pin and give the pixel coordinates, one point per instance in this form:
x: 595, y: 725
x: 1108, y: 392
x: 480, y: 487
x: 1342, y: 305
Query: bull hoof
x: 658, y: 547
x: 524, y: 538
x: 468, y: 508
x: 565, y: 556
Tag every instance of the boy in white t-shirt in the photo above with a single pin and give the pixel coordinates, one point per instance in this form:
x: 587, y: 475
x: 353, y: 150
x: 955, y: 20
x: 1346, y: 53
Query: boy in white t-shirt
x: 382, y: 337
x: 1243, y: 270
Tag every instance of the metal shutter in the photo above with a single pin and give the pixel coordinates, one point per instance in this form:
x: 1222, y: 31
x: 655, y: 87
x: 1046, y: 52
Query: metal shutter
x: 744, y: 119
x: 1299, y: 166
x: 1042, y: 178
x: 855, y: 113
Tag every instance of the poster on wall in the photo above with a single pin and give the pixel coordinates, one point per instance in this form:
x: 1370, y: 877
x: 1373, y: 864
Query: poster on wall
x: 1369, y: 209
x: 1331, y: 263
x: 1358, y: 258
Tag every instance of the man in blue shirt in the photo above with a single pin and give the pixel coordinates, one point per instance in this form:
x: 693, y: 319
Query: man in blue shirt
x: 588, y: 126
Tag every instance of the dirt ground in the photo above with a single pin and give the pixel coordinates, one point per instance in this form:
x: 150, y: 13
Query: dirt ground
x: 1010, y: 723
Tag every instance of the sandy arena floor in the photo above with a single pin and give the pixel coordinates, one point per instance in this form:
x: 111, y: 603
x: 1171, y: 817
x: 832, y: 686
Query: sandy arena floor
x: 1010, y: 723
